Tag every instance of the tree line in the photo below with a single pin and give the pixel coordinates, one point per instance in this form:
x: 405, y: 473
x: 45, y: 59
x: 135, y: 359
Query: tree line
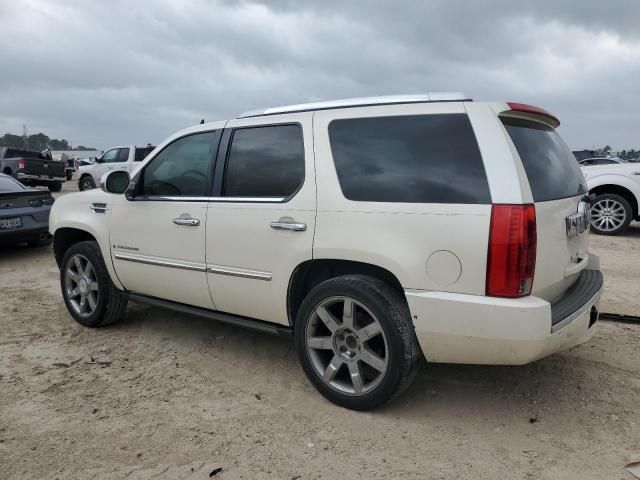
x: 37, y: 142
x: 624, y: 154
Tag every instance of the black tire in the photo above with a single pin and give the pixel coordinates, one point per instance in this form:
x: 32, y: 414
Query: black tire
x: 391, y: 310
x: 86, y: 183
x: 69, y: 176
x: 55, y: 186
x: 608, y: 230
x: 111, y: 303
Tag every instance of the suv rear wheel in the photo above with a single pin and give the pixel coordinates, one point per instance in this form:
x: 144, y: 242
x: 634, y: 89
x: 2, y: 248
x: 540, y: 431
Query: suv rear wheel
x: 91, y: 297
x: 356, y: 342
x: 610, y: 214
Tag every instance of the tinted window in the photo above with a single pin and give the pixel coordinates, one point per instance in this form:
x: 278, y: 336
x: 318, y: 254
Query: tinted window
x: 415, y: 159
x: 586, y: 162
x: 550, y: 166
x: 13, y: 153
x: 8, y: 184
x: 110, y: 156
x: 123, y: 155
x: 265, y: 162
x: 141, y: 153
x: 606, y: 162
x: 183, y: 168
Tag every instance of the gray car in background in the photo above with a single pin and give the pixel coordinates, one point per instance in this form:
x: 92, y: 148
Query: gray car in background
x: 24, y: 213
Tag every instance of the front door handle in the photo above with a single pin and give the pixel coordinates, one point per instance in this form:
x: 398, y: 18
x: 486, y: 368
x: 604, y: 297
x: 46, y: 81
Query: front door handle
x: 186, y: 220
x: 286, y: 224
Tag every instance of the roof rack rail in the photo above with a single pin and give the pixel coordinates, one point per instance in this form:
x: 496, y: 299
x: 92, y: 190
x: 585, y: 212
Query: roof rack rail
x: 360, y: 102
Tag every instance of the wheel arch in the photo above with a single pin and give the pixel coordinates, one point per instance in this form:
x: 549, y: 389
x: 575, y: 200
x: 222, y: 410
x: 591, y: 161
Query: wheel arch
x: 620, y: 190
x: 310, y: 273
x: 65, y: 237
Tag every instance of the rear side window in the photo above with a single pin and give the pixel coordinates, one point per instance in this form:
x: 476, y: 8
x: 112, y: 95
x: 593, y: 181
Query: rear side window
x: 14, y: 153
x: 550, y: 166
x: 141, y: 153
x: 413, y: 159
x: 265, y: 162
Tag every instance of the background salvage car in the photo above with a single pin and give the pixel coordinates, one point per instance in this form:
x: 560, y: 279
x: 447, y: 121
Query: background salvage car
x: 24, y: 213
x: 33, y: 168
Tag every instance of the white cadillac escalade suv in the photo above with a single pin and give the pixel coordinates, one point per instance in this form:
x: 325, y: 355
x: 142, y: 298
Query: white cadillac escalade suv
x: 375, y: 231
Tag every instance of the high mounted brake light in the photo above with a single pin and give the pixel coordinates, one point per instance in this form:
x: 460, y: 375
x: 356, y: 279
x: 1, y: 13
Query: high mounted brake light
x: 511, y: 260
x: 525, y: 108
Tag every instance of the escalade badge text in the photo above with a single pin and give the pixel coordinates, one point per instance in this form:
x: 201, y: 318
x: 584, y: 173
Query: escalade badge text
x: 578, y: 222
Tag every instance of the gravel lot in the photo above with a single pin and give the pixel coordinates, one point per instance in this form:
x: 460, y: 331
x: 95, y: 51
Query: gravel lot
x: 166, y: 395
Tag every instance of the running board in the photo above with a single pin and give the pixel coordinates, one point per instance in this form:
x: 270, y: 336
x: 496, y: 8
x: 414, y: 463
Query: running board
x: 244, y: 322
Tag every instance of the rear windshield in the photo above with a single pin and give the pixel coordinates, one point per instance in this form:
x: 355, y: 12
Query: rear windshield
x: 414, y: 159
x: 14, y: 153
x: 8, y: 184
x: 551, y: 168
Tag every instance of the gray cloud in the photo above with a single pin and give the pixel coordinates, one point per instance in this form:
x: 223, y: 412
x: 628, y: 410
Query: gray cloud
x: 105, y: 73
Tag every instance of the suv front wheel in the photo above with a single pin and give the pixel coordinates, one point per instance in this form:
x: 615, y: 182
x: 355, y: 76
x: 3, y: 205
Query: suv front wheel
x: 91, y: 297
x: 356, y: 342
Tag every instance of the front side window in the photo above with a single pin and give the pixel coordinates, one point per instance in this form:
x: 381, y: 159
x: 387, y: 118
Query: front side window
x: 265, y: 162
x: 413, y: 159
x: 183, y: 168
x: 110, y: 156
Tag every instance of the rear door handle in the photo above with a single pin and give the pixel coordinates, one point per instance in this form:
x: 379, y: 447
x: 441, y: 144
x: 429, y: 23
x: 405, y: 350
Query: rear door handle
x: 286, y: 225
x: 186, y: 221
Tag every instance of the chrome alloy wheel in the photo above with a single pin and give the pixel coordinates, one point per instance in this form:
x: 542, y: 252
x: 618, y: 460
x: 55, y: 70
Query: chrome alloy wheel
x: 87, y: 184
x: 347, y: 346
x: 81, y: 284
x: 608, y: 215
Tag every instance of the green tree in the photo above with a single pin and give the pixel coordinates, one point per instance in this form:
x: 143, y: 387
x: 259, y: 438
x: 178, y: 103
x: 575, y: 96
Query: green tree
x: 38, y: 142
x: 12, y: 141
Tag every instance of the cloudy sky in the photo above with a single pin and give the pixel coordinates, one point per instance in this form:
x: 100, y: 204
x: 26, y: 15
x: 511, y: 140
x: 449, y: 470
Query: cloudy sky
x: 116, y: 72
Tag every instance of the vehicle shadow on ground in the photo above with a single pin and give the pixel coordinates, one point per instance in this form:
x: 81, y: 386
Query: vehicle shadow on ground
x: 436, y: 389
x: 22, y: 251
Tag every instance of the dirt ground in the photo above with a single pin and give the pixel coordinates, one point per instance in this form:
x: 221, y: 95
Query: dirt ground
x: 167, y: 395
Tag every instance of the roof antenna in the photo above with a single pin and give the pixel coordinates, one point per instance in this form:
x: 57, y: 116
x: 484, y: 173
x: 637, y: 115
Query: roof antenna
x: 202, y: 122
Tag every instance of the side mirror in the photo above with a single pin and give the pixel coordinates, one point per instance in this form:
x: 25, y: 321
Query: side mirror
x: 115, y: 182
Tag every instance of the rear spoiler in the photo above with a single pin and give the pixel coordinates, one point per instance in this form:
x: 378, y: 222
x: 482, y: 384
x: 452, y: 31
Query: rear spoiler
x: 533, y: 112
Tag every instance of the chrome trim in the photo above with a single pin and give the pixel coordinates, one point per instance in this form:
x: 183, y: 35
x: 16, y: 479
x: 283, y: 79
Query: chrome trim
x: 96, y: 207
x: 359, y: 102
x: 247, y: 199
x: 585, y: 309
x: 239, y: 272
x: 210, y: 199
x: 187, y: 221
x: 292, y: 226
x: 160, y: 262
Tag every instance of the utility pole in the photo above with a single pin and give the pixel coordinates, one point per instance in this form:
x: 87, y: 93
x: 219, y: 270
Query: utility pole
x: 25, y: 137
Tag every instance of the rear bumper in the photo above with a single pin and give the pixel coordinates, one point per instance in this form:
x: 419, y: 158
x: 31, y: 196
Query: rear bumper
x: 458, y: 328
x: 35, y: 224
x: 44, y: 179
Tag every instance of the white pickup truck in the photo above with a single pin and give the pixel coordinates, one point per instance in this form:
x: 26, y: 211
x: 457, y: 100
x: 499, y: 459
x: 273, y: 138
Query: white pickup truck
x: 116, y: 158
x: 616, y: 186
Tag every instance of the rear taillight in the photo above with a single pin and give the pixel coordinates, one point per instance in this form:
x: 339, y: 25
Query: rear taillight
x: 511, y: 260
x: 21, y: 164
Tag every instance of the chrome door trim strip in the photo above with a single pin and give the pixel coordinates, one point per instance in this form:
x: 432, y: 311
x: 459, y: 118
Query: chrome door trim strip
x: 160, y: 262
x: 247, y: 199
x: 163, y: 198
x: 194, y: 266
x: 239, y: 272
